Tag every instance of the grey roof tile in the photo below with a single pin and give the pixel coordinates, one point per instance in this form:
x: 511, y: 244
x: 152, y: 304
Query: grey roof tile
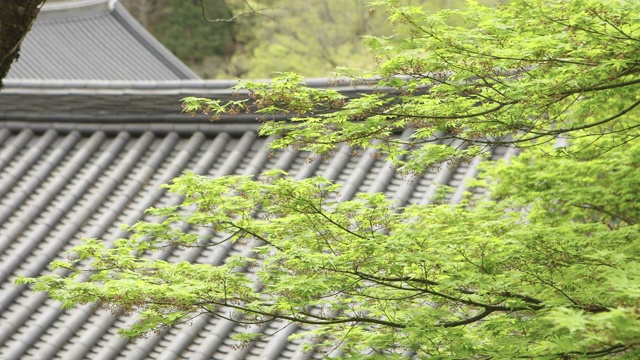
x: 84, y: 338
x: 9, y: 178
x: 14, y: 146
x: 39, y: 172
x: 4, y: 134
x: 51, y: 189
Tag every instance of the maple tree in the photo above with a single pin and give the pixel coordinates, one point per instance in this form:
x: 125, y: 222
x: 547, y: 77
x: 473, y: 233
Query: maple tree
x: 546, y: 265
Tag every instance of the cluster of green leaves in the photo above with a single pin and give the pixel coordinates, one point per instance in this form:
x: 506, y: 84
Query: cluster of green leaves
x: 546, y: 266
x: 523, y: 72
x: 557, y: 278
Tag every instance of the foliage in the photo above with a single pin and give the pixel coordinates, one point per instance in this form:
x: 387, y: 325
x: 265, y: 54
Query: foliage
x: 184, y: 29
x: 263, y: 37
x: 204, y: 34
x: 313, y: 38
x: 546, y: 266
x: 533, y: 70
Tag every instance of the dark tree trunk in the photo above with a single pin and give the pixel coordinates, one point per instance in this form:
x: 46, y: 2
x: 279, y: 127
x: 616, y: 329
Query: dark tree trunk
x: 16, y: 18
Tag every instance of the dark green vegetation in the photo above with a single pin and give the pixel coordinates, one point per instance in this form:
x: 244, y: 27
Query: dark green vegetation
x: 16, y: 18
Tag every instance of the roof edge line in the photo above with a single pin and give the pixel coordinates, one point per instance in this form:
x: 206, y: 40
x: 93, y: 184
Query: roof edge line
x: 149, y: 41
x: 91, y: 127
x: 182, y: 84
x: 64, y: 6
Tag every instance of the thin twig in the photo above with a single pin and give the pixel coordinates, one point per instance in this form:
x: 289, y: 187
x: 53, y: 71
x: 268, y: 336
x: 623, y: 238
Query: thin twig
x: 235, y: 17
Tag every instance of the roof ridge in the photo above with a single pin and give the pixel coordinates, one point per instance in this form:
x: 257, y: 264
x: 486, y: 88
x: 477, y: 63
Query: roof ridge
x: 117, y: 101
x: 73, y: 6
x: 175, y: 84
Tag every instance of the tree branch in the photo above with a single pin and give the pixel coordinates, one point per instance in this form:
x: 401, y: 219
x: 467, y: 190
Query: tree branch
x: 251, y: 11
x: 606, y: 212
x: 470, y: 320
x: 16, y: 19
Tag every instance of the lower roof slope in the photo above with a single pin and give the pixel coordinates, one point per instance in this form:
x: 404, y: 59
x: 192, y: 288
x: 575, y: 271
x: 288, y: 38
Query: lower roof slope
x: 90, y: 127
x: 57, y: 186
x: 93, y: 40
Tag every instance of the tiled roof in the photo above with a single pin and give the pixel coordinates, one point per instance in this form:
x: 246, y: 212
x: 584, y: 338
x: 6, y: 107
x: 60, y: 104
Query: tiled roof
x: 81, y: 156
x: 97, y: 40
x: 59, y: 186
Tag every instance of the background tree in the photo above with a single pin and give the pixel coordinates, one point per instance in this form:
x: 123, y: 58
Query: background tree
x: 181, y: 26
x: 546, y: 266
x: 314, y: 38
x: 185, y: 27
x: 16, y: 18
x: 311, y: 38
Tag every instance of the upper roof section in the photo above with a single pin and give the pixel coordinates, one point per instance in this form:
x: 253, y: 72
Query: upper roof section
x: 93, y: 40
x: 74, y: 101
